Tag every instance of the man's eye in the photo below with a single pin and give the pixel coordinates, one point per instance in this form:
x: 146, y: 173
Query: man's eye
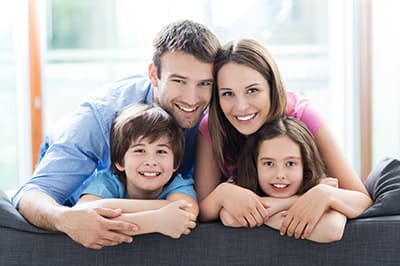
x: 179, y: 81
x: 206, y: 83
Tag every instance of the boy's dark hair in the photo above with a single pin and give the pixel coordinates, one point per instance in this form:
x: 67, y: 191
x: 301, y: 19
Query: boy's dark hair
x: 185, y: 36
x: 313, y: 165
x: 144, y: 121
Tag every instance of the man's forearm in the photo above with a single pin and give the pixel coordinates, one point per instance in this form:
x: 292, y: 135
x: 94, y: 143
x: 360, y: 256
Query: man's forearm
x: 40, y: 209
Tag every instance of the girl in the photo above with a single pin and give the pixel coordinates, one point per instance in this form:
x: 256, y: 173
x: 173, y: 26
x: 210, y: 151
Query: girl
x: 248, y: 93
x: 281, y: 161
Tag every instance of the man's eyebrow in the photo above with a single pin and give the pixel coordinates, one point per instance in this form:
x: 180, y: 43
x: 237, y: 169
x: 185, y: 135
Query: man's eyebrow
x: 177, y: 76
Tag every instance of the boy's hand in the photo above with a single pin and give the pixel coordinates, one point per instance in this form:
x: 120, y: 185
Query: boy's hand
x: 174, y: 221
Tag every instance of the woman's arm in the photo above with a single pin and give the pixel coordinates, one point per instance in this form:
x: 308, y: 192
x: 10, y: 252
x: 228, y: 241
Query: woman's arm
x: 351, y: 198
x: 329, y: 228
x: 241, y: 203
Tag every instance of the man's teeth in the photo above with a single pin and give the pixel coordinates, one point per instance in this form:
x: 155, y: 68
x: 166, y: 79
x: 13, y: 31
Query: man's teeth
x: 186, y: 109
x: 280, y: 185
x: 245, y: 118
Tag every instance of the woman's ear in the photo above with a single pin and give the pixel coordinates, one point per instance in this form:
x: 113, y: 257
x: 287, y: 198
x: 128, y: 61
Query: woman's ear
x: 153, y: 75
x: 119, y: 167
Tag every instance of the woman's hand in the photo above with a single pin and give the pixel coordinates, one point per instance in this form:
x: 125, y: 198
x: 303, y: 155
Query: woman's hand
x: 243, y: 205
x: 305, y: 213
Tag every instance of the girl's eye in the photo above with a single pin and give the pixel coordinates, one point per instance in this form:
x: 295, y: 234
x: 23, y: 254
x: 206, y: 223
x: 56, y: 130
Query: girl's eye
x: 268, y: 163
x: 252, y: 90
x: 291, y: 163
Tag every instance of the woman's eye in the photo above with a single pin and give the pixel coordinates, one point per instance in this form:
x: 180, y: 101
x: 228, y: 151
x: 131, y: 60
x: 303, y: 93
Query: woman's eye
x: 138, y: 151
x: 226, y: 94
x: 252, y: 90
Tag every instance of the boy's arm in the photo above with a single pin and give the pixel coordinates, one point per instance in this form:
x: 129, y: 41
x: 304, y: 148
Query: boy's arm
x: 329, y: 228
x: 171, y: 217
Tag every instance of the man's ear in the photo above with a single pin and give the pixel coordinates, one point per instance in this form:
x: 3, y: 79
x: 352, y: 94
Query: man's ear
x: 119, y: 167
x: 153, y: 75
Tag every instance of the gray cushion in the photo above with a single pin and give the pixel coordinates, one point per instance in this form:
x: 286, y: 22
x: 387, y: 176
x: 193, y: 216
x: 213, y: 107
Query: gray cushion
x: 383, y: 185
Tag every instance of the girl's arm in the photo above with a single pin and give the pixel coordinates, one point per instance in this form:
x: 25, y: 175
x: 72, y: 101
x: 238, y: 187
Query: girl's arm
x: 276, y: 205
x: 351, y: 198
x: 241, y: 203
x: 329, y: 228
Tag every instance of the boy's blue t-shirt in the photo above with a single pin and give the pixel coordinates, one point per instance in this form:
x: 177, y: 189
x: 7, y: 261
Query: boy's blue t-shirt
x: 105, y: 184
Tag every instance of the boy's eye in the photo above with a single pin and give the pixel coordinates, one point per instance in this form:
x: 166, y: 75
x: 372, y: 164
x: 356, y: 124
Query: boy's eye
x: 162, y: 151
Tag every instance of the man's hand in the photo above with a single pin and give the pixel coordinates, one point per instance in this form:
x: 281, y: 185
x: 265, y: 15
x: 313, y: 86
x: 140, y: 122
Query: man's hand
x: 94, y: 227
x: 174, y: 221
x: 244, y: 205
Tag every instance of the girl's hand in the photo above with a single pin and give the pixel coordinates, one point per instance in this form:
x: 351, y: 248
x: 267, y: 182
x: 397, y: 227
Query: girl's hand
x: 305, y: 213
x: 174, y: 221
x: 243, y: 205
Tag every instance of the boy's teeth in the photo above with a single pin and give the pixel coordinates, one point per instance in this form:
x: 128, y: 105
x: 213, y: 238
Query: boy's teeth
x: 245, y: 118
x: 149, y: 174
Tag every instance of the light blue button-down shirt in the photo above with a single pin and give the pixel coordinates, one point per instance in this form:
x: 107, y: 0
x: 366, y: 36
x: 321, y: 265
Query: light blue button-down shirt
x: 80, y: 145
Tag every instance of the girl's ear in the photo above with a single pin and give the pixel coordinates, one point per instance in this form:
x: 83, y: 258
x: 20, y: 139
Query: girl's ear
x: 153, y: 75
x: 119, y: 167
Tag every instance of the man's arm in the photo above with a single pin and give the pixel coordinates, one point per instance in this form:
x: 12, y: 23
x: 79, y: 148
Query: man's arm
x: 90, y: 227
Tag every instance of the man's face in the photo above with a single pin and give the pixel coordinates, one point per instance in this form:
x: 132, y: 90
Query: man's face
x: 184, y: 88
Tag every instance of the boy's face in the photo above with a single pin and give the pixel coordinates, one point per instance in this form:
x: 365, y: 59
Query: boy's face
x: 279, y: 166
x: 184, y: 88
x: 148, y: 167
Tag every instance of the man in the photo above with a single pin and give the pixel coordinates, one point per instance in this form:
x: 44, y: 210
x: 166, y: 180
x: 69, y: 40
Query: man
x: 179, y: 80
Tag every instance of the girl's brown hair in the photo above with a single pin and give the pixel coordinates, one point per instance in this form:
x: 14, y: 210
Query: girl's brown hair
x: 313, y: 165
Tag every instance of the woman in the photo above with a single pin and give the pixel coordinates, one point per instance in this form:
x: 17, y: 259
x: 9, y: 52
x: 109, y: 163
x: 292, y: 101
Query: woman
x: 249, y: 92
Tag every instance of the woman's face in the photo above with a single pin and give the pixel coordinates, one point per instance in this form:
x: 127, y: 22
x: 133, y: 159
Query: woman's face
x: 244, y: 96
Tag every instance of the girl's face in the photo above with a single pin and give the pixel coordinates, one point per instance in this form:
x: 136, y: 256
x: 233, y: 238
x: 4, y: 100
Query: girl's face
x: 244, y: 97
x: 279, y: 166
x: 148, y: 167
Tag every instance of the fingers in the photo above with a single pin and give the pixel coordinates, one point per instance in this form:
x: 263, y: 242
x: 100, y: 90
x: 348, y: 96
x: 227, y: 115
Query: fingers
x: 108, y: 213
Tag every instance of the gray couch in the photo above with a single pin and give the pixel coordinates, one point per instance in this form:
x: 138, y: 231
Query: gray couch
x: 366, y: 241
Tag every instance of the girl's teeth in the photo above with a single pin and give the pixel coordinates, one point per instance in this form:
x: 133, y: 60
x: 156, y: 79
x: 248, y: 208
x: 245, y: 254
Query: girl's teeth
x: 245, y: 118
x: 279, y: 185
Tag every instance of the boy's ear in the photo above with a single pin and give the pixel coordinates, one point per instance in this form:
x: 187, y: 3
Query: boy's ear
x: 119, y: 167
x: 153, y: 75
